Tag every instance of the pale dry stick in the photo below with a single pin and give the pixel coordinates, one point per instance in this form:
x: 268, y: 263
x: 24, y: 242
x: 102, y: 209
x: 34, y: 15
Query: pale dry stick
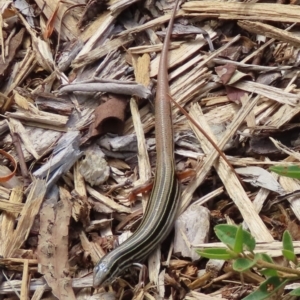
x: 25, y: 278
x: 38, y: 293
x: 13, y: 288
x: 143, y: 158
x: 8, y: 39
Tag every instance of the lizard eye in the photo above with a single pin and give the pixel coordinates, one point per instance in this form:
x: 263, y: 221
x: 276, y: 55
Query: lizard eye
x: 100, y: 269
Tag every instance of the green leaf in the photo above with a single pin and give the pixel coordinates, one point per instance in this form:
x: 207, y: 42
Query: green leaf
x: 242, y: 264
x: 287, y: 241
x: 288, y: 247
x: 216, y: 253
x: 265, y: 257
x: 268, y: 272
x: 238, y: 243
x: 228, y: 235
x: 248, y: 241
x: 289, y: 255
x: 288, y: 171
x: 295, y: 292
x: 267, y: 288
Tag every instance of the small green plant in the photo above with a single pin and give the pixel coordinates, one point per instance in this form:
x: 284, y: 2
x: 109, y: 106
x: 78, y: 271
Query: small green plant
x: 287, y: 171
x: 240, y: 245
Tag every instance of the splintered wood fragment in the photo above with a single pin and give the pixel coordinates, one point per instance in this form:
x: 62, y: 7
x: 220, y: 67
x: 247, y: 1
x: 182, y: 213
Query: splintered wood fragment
x: 65, y: 155
x: 273, y: 248
x: 212, y: 142
x: 3, y: 124
x: 153, y: 23
x: 105, y: 26
x: 42, y: 49
x: 141, y: 71
x: 53, y: 246
x: 186, y: 50
x: 195, y: 79
x: 237, y: 10
x: 14, y: 44
x: 270, y: 92
x: 98, y: 53
x: 262, y: 194
x: 192, y: 295
x: 283, y: 115
x: 38, y: 293
x: 16, y: 127
x: 37, y: 116
x: 143, y: 158
x: 93, y: 248
x: 79, y: 181
x: 185, y: 87
x: 152, y: 48
x: 45, y: 126
x: 232, y: 185
x: 47, y: 101
x: 15, y: 285
x: 141, y: 65
x: 10, y: 207
x: 81, y: 207
x: 20, y: 100
x: 1, y: 36
x: 249, y: 67
x: 271, y: 32
x: 25, y: 67
x: 5, y: 192
x: 29, y: 211
x: 43, y: 141
x: 69, y: 23
x: 285, y: 149
x: 24, y: 287
x: 8, y: 219
x: 290, y: 185
x: 17, y: 261
x: 107, y: 201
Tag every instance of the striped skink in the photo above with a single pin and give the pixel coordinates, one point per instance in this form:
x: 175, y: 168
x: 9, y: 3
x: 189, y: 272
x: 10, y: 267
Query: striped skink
x: 162, y: 207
